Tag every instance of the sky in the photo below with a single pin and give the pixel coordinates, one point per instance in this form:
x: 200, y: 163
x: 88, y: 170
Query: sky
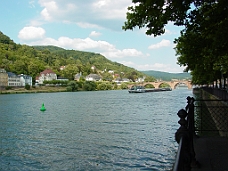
x: 92, y: 26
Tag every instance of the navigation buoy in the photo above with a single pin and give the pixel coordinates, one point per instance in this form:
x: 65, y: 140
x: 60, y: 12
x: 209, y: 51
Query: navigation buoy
x: 42, y: 108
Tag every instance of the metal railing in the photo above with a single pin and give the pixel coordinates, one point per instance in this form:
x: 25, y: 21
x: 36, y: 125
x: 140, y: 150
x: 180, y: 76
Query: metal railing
x: 211, y: 112
x: 211, y: 117
x: 222, y: 94
x: 202, y: 117
x: 185, y: 158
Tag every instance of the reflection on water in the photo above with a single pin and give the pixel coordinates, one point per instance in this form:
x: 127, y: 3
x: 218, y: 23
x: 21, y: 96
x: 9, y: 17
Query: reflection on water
x: 105, y: 130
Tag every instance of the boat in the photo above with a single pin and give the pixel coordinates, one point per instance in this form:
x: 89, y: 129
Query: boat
x: 137, y: 89
x: 142, y: 89
x: 159, y: 89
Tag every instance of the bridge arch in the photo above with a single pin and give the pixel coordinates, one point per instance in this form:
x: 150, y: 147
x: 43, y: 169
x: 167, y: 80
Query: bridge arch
x: 172, y: 84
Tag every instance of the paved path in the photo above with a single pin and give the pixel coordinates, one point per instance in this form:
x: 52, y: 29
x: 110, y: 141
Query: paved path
x: 211, y: 153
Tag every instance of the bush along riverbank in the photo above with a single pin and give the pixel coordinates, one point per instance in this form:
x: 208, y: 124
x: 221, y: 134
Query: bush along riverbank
x: 71, y: 86
x: 40, y: 89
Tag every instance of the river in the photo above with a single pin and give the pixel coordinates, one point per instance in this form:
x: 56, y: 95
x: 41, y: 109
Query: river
x: 99, y: 130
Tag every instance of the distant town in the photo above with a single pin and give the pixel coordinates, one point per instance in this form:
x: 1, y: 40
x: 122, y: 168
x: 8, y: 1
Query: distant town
x: 14, y: 80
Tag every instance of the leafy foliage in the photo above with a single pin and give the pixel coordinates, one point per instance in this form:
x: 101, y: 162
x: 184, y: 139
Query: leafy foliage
x: 105, y: 86
x: 31, y: 60
x: 89, y: 86
x: 123, y: 86
x: 27, y: 87
x: 207, y: 55
x: 202, y: 47
x: 72, y: 86
x: 149, y: 86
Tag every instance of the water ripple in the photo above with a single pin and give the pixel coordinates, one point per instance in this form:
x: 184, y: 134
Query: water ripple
x: 109, y: 130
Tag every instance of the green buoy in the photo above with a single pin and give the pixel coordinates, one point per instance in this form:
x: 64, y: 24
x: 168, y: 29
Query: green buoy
x: 42, y: 108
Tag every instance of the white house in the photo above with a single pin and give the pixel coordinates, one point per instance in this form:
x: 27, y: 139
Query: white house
x: 119, y: 80
x: 13, y: 79
x: 140, y: 80
x: 93, y: 77
x: 47, y: 75
x: 25, y: 79
x: 111, y: 72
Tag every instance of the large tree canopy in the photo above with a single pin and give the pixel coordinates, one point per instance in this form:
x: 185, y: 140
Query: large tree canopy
x: 155, y: 14
x: 202, y: 46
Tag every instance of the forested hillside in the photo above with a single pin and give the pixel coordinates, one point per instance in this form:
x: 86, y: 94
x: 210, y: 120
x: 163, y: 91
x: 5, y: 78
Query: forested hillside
x: 168, y: 76
x: 31, y: 60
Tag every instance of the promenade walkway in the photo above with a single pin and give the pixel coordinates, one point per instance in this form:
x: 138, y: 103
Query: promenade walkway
x: 211, y: 153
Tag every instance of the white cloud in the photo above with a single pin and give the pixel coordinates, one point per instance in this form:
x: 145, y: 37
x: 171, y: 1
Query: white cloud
x: 116, y: 53
x: 56, y: 10
x: 156, y: 66
x: 94, y: 34
x: 163, y: 43
x: 88, y: 44
x: 109, y: 9
x: 76, y: 43
x: 31, y: 33
x: 87, y: 25
x: 45, y: 14
x: 100, y: 13
x: 32, y: 4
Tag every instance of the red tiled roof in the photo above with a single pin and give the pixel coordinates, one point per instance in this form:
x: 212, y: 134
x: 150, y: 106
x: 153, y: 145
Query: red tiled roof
x: 47, y: 71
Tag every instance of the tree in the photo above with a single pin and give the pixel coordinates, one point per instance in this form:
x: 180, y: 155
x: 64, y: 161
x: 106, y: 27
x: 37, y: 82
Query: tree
x: 149, y: 79
x: 4, y: 39
x: 164, y: 85
x: 31, y: 60
x: 202, y: 46
x: 27, y: 87
x: 70, y: 71
x: 89, y: 86
x: 207, y: 55
x: 72, y: 86
x: 124, y: 86
x: 107, y: 76
x: 104, y: 86
x: 154, y: 14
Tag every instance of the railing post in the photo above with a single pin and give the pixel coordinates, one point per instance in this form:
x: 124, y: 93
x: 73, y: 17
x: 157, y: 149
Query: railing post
x: 190, y: 110
x: 182, y: 134
x: 184, y: 137
x: 191, y: 128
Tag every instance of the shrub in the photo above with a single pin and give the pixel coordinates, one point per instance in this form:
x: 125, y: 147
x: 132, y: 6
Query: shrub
x: 89, y: 86
x: 8, y: 88
x: 27, y: 87
x: 72, y: 86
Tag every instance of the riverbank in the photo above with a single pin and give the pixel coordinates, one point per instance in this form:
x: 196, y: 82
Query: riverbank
x: 40, y: 89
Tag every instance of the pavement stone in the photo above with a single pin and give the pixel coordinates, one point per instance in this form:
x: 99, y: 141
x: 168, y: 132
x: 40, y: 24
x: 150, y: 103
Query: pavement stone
x: 211, y: 153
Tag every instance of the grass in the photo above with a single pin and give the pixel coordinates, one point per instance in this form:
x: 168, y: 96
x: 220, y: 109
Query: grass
x: 39, y: 89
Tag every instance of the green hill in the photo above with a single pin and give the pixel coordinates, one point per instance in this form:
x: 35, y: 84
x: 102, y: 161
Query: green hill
x: 166, y: 76
x: 31, y: 60
x: 50, y: 48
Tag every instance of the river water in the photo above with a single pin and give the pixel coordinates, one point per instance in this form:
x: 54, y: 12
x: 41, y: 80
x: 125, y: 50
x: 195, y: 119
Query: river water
x: 99, y: 130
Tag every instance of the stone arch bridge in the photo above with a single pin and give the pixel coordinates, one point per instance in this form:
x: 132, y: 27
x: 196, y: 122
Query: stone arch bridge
x: 172, y: 84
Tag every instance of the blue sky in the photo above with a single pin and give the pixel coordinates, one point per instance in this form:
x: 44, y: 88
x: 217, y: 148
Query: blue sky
x: 90, y: 25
